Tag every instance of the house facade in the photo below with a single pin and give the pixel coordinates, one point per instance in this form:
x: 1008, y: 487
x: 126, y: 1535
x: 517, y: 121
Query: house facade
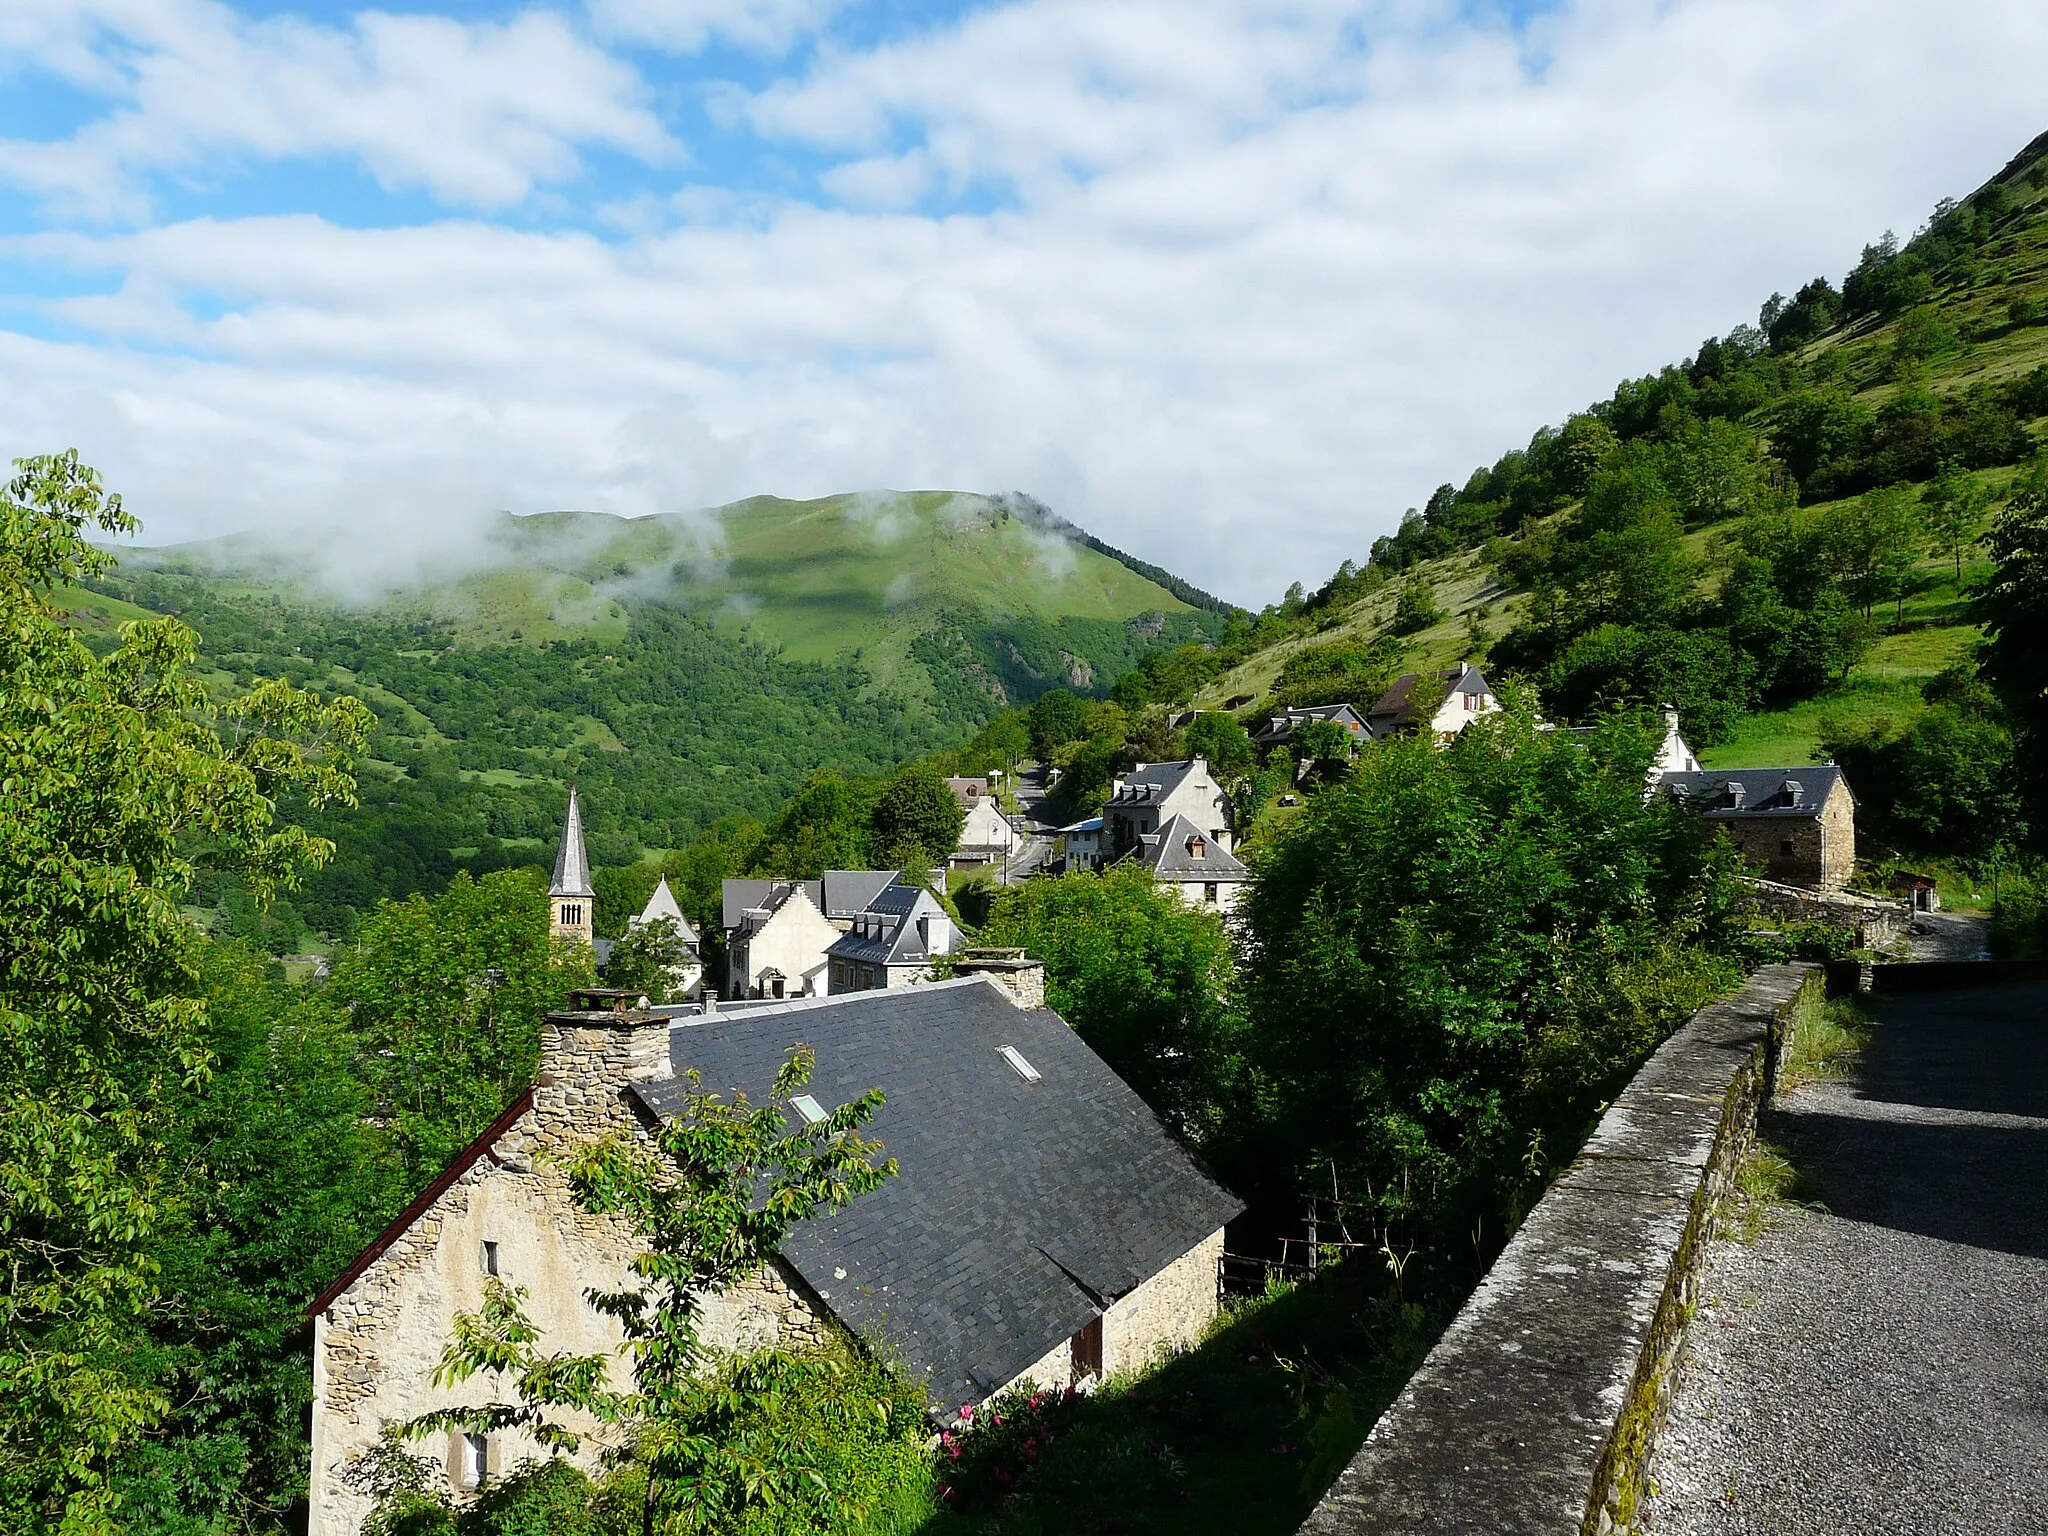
x: 892, y: 943
x: 1793, y: 825
x: 986, y: 834
x: 1152, y: 794
x: 1185, y: 859
x: 1081, y: 845
x: 1443, y: 703
x: 1043, y: 1226
x: 775, y: 947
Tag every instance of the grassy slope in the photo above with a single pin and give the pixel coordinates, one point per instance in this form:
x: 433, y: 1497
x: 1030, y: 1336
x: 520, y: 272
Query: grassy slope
x: 1936, y: 630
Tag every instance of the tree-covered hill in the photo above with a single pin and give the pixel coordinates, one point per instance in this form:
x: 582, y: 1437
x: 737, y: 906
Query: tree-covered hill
x: 1783, y: 534
x: 685, y: 669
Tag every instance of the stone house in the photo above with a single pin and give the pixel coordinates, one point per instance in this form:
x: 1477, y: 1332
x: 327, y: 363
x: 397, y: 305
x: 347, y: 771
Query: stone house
x: 1152, y: 794
x: 892, y: 943
x: 1795, y: 825
x: 776, y: 947
x: 1413, y: 702
x: 1043, y: 1227
x: 987, y: 836
x: 1185, y: 859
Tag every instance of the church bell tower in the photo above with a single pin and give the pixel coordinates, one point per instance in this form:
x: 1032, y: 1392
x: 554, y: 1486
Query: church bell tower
x: 570, y: 898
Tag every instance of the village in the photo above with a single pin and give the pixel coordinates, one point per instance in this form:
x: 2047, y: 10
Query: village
x: 1045, y: 1230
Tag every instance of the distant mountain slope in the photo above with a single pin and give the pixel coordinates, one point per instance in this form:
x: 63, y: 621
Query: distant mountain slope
x: 684, y: 668
x: 1932, y: 352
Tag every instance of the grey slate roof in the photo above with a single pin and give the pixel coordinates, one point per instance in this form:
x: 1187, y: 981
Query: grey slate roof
x: 1020, y: 1209
x: 1278, y: 728
x: 1151, y: 782
x: 848, y: 891
x: 1168, y: 854
x: 572, y: 864
x: 1765, y: 791
x: 899, y: 904
x: 1401, y: 704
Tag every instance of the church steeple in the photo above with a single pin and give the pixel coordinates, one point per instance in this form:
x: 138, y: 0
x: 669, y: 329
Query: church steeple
x: 570, y: 898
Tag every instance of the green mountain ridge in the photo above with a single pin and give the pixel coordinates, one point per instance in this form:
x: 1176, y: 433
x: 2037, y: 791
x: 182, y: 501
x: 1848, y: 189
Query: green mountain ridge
x: 684, y: 667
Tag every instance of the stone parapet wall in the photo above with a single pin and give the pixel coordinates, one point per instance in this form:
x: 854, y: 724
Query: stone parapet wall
x: 1876, y: 921
x: 1534, y: 1412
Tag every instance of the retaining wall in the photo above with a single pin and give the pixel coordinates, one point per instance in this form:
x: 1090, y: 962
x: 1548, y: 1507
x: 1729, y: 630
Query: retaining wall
x: 1534, y: 1411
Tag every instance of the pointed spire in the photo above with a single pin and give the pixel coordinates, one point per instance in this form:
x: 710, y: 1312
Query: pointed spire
x: 572, y: 864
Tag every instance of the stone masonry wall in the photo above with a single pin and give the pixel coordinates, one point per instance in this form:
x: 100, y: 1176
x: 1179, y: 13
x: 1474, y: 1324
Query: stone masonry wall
x: 1534, y: 1413
x: 377, y: 1346
x: 1168, y: 1312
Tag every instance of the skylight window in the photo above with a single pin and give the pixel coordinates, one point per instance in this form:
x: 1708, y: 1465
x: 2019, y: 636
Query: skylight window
x: 812, y: 1111
x: 1015, y: 1058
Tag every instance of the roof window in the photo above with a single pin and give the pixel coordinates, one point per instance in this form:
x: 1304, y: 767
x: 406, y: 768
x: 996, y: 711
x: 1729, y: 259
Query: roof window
x: 812, y: 1111
x: 1015, y: 1058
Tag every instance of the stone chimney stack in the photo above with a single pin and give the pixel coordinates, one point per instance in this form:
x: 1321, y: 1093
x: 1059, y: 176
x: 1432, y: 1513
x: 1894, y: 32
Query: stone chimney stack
x: 589, y: 1054
x: 1021, y: 977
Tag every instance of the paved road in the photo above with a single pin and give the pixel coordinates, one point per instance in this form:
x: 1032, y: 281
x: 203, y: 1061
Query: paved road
x: 1881, y: 1365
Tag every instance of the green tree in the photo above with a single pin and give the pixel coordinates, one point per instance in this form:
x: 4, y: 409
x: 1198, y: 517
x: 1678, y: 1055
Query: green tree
x: 1416, y: 607
x: 917, y: 819
x: 1224, y: 743
x: 447, y: 993
x: 1055, y: 720
x: 1954, y: 505
x: 650, y: 958
x: 1320, y: 741
x: 1142, y: 977
x: 713, y: 1193
x: 1454, y: 955
x: 1877, y: 539
x: 2015, y: 609
x: 120, y: 773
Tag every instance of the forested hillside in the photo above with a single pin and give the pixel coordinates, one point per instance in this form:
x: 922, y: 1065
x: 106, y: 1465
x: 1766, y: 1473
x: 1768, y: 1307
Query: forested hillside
x: 1789, y: 535
x: 685, y: 669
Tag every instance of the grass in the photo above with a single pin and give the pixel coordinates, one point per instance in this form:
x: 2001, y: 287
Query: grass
x: 1827, y: 1039
x: 1240, y: 1436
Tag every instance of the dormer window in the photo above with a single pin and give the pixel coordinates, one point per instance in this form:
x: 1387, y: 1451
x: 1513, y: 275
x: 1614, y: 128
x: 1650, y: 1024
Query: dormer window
x: 1197, y: 848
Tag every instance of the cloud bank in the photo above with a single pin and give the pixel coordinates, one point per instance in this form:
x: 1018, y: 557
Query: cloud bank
x: 1228, y: 282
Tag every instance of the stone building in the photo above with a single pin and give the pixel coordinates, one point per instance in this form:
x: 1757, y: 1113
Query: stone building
x: 1151, y: 794
x: 1277, y: 730
x: 572, y: 903
x: 1443, y: 703
x: 1043, y: 1226
x: 1796, y: 825
x: 1188, y: 862
x: 776, y: 947
x: 892, y: 942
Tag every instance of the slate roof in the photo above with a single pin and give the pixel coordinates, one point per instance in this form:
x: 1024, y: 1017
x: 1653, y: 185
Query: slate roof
x: 1021, y: 1208
x: 901, y: 904
x: 848, y: 891
x: 739, y: 897
x: 1151, y: 782
x: 663, y: 904
x: 572, y: 864
x: 1167, y: 854
x: 1279, y: 727
x: 1765, y: 791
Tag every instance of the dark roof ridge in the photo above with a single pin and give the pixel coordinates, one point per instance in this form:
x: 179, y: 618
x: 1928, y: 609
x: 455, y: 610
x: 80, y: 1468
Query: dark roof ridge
x: 464, y: 1160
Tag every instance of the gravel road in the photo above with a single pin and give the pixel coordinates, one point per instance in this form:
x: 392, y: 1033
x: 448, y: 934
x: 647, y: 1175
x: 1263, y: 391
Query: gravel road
x: 1879, y: 1363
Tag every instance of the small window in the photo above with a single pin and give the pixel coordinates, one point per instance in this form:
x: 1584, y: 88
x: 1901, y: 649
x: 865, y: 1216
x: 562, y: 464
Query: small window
x: 1786, y: 846
x: 472, y: 1460
x: 1015, y: 1058
x: 812, y: 1111
x: 1209, y: 893
x: 490, y: 1257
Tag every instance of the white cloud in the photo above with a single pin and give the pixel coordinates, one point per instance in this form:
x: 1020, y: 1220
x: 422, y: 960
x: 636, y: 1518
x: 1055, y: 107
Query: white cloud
x: 685, y: 26
x: 475, y: 114
x: 1249, y: 289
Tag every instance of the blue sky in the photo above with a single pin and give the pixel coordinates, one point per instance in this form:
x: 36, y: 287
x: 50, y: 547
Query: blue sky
x: 1231, y: 282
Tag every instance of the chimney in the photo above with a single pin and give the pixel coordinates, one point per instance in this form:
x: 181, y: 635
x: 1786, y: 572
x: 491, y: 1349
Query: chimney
x: 589, y: 1053
x: 1023, y: 978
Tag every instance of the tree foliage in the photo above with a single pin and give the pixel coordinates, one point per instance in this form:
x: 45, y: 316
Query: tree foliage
x: 120, y: 776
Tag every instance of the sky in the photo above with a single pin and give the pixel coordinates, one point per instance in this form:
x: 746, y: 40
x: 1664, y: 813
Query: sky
x: 1230, y: 283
